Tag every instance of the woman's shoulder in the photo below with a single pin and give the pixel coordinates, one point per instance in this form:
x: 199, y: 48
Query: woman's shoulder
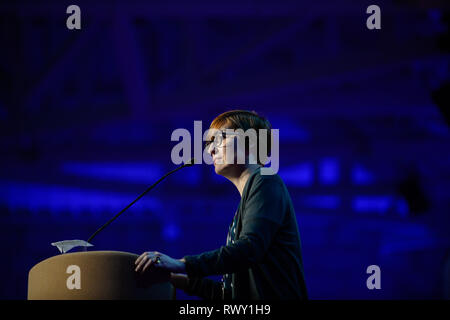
x: 267, y: 177
x: 266, y: 188
x: 274, y: 180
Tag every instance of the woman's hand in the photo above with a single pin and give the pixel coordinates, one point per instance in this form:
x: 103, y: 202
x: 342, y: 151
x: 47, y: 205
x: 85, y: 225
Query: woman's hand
x: 159, y: 261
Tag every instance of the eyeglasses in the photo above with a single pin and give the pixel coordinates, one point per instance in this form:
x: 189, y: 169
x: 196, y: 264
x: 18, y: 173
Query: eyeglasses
x: 217, y: 139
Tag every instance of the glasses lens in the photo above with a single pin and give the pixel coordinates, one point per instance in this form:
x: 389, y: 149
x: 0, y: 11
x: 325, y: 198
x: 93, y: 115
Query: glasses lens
x: 207, y: 143
x: 218, y: 139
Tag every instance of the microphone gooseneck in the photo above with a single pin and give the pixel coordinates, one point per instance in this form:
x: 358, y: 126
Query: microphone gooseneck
x: 187, y: 164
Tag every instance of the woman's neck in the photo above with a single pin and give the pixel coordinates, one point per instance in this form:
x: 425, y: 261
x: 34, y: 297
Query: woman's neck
x: 241, y: 177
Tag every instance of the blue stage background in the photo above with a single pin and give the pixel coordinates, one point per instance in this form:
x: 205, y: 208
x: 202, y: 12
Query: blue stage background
x: 86, y: 118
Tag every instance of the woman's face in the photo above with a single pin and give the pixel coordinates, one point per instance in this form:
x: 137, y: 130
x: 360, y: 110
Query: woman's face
x: 224, y: 161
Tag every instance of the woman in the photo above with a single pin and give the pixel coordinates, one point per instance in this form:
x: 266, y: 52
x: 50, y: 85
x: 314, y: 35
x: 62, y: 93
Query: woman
x: 262, y: 257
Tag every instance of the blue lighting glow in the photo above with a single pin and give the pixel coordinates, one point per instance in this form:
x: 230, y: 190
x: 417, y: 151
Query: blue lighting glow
x: 60, y: 199
x: 298, y: 175
x: 402, y: 208
x: 171, y: 232
x: 138, y: 172
x: 322, y: 201
x: 361, y: 176
x: 289, y: 130
x: 378, y: 204
x: 329, y: 171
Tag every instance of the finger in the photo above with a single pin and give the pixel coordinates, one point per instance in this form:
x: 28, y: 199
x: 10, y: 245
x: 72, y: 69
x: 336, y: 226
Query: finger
x: 152, y: 263
x: 140, y: 258
x: 147, y: 265
x: 142, y: 262
x: 143, y: 256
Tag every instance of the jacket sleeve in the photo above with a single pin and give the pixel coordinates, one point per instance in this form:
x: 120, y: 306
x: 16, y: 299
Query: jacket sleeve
x: 263, y: 213
x: 205, y: 288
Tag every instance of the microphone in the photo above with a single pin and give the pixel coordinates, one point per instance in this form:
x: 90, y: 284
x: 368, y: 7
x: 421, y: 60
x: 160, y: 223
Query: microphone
x: 190, y: 163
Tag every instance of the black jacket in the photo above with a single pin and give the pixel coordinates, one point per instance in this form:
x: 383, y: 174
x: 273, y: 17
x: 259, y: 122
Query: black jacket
x: 265, y: 257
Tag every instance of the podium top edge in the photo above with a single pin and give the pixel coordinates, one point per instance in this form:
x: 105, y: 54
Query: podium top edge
x: 94, y: 252
x: 100, y: 253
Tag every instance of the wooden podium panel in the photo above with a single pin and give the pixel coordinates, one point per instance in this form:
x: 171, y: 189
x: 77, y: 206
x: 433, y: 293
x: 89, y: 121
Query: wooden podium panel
x: 95, y: 275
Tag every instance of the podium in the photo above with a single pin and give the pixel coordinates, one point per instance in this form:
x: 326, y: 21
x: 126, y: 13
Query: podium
x: 96, y: 275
